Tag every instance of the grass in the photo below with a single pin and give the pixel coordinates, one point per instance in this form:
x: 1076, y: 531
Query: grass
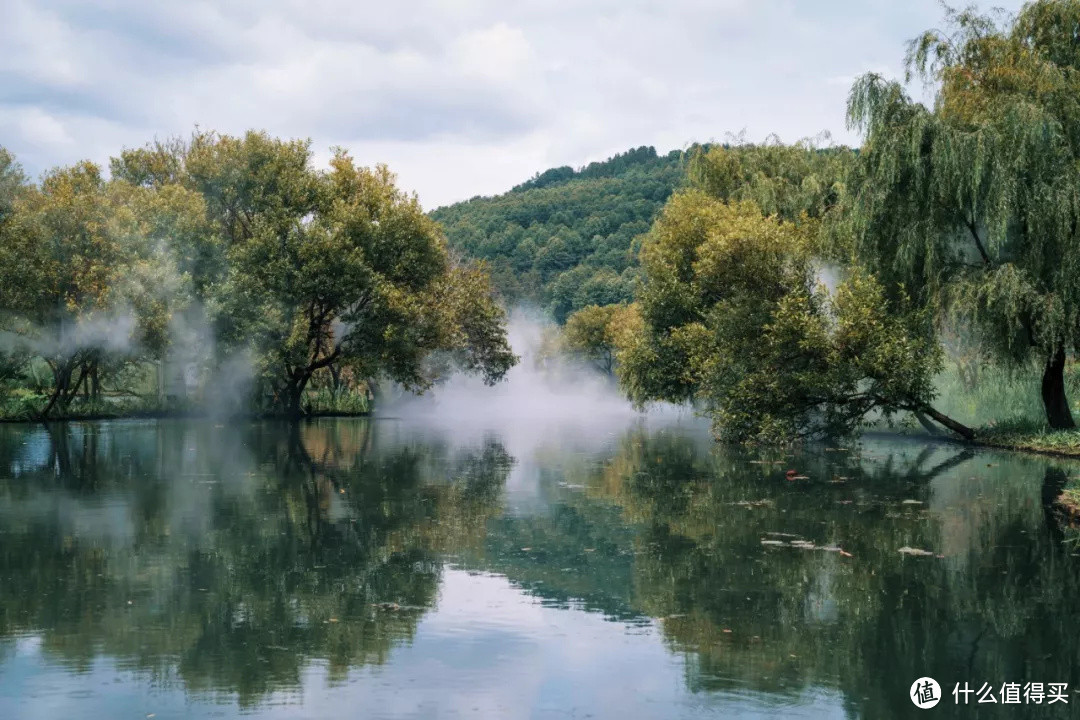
x: 1030, y: 435
x: 996, y: 395
x: 24, y: 405
x: 324, y: 402
x: 1005, y: 408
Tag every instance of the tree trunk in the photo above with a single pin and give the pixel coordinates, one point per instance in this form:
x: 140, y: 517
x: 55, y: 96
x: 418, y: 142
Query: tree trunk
x: 58, y: 387
x: 294, y: 395
x: 1053, y: 392
x: 292, y: 400
x: 959, y: 428
x: 369, y: 393
x: 925, y: 422
x: 335, y: 381
x: 70, y: 391
x: 95, y: 384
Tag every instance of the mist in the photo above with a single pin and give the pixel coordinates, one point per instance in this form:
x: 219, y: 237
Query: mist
x: 547, y: 406
x: 113, y: 332
x: 543, y: 388
x: 194, y: 370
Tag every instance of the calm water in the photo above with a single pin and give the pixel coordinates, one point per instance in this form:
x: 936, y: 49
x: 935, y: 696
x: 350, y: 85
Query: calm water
x: 394, y: 569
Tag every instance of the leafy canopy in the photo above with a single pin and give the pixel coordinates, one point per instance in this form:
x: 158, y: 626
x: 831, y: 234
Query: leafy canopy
x: 597, y: 333
x: 736, y: 321
x: 973, y: 205
x: 293, y: 269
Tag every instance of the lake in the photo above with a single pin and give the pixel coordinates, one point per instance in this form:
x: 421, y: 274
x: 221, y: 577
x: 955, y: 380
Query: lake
x: 397, y: 568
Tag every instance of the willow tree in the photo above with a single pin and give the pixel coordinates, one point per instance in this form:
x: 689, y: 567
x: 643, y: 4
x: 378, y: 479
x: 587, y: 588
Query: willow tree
x: 972, y: 205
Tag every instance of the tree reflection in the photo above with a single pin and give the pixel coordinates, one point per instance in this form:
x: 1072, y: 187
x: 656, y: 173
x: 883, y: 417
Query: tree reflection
x: 999, y: 606
x: 230, y: 558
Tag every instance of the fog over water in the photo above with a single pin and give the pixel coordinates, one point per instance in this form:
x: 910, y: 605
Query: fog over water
x: 548, y: 406
x: 549, y: 389
x: 548, y: 403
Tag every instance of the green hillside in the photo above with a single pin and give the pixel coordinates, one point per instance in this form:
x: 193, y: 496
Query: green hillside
x: 566, y: 238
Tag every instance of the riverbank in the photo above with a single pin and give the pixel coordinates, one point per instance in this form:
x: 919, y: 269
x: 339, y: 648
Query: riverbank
x: 133, y: 407
x: 1029, y: 437
x: 1024, y: 436
x: 25, y: 407
x: 175, y: 415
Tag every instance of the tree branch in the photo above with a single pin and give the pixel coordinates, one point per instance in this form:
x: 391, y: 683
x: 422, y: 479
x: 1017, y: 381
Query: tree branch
x: 328, y: 360
x: 959, y: 428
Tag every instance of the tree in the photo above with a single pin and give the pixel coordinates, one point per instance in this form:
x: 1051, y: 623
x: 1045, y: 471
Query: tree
x: 782, y: 180
x: 59, y: 262
x: 735, y: 320
x: 598, y: 332
x: 972, y: 206
x: 338, y: 268
x: 298, y: 270
x: 87, y: 282
x: 12, y: 185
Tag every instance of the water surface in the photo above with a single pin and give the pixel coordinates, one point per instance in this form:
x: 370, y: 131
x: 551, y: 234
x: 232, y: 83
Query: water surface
x: 399, y: 569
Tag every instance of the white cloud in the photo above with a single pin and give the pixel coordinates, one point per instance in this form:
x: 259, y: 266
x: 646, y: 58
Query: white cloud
x: 41, y: 128
x: 459, y: 96
x: 499, y: 52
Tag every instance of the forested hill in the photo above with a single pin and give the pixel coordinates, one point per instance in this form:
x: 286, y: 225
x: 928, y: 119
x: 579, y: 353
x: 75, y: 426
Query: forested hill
x: 566, y: 238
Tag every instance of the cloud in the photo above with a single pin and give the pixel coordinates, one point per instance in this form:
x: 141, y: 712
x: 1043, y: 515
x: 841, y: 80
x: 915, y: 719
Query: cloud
x: 462, y: 97
x: 40, y: 128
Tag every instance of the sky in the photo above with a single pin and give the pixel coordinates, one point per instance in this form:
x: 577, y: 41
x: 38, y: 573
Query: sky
x: 458, y: 97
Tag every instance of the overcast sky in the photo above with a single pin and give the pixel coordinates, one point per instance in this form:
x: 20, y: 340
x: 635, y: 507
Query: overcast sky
x: 459, y: 97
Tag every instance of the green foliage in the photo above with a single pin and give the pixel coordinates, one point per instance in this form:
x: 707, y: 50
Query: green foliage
x: 336, y: 268
x: 324, y: 401
x: 12, y: 183
x: 973, y: 205
x: 296, y: 270
x: 569, y: 239
x: 783, y: 180
x: 81, y: 284
x: 566, y: 239
x: 735, y: 320
x: 598, y: 333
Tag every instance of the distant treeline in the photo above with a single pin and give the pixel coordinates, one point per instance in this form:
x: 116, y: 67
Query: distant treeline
x: 565, y: 239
